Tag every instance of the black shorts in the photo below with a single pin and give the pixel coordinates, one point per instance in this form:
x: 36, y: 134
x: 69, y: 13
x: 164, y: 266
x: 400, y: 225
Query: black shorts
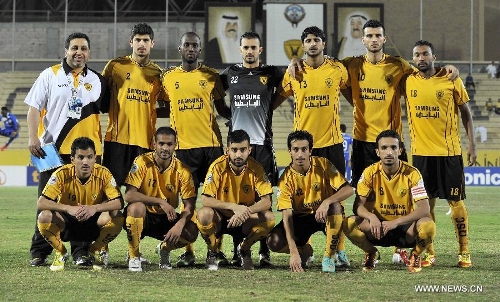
x: 75, y: 230
x: 155, y: 225
x: 395, y: 237
x: 363, y: 155
x: 199, y: 160
x: 118, y: 158
x: 334, y: 153
x: 304, y: 225
x: 443, y: 176
x: 236, y: 232
x: 264, y: 155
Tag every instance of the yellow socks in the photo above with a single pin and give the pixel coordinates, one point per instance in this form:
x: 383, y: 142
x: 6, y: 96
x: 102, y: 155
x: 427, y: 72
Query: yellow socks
x: 134, y: 227
x: 258, y: 231
x: 333, y: 230
x: 108, y: 233
x: 460, y: 220
x: 357, y: 237
x: 425, y: 236
x: 208, y: 234
x: 52, y: 233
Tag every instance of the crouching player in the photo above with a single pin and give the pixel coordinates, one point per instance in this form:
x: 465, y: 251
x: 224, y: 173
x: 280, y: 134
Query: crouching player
x: 154, y: 184
x: 310, y: 191
x: 80, y: 203
x: 236, y: 200
x: 391, y: 206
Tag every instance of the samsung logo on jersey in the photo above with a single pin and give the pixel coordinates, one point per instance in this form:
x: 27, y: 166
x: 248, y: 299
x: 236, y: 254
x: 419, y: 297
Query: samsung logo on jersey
x: 481, y: 176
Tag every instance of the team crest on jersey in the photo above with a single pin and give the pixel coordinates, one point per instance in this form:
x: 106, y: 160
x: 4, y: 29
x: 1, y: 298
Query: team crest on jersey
x: 94, y: 196
x: 402, y: 192
x: 170, y: 188
x: 263, y: 80
x: 316, y: 186
x: 52, y: 180
x: 134, y: 168
x: 328, y: 82
x: 439, y: 94
x: 210, y: 178
x: 203, y: 83
x: 87, y: 86
x: 246, y: 189
x: 113, y: 182
x: 389, y: 78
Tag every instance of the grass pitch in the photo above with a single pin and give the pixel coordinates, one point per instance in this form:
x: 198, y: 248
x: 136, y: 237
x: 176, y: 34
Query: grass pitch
x: 444, y: 282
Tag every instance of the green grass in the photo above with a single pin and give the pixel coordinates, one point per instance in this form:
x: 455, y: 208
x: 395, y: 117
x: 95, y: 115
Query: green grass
x: 21, y: 282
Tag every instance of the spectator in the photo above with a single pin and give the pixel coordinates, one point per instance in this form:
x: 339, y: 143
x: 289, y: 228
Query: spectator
x: 469, y: 82
x: 491, y: 69
x: 489, y: 106
x: 482, y: 132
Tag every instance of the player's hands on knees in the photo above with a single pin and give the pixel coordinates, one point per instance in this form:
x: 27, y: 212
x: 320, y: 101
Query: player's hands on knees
x: 294, y: 66
x: 173, y: 235
x: 376, y: 228
x: 169, y: 210
x: 75, y: 211
x: 295, y: 263
x: 387, y: 226
x: 321, y: 213
x: 241, y: 214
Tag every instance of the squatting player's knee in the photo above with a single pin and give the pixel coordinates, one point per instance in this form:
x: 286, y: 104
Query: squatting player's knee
x: 205, y: 215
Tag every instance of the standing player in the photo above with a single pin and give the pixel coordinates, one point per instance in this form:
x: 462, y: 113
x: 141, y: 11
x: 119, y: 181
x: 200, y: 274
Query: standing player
x: 192, y: 90
x: 80, y: 202
x: 236, y: 200
x: 316, y: 92
x: 154, y: 184
x: 432, y: 104
x: 391, y: 206
x: 134, y: 81
x: 64, y: 104
x: 12, y: 127
x: 252, y: 90
x: 310, y: 193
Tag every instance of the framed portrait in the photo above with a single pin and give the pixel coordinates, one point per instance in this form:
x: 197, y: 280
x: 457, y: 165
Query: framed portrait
x: 284, y: 24
x: 224, y: 24
x: 348, y: 30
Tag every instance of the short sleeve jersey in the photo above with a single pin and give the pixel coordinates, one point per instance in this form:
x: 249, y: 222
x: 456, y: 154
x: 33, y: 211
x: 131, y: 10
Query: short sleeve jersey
x: 376, y: 95
x: 175, y: 180
x: 66, y: 188
x: 192, y: 111
x: 69, y: 105
x: 432, y: 106
x: 305, y: 193
x: 251, y: 92
x: 316, y: 93
x: 135, y: 89
x: 395, y: 197
x: 244, y: 189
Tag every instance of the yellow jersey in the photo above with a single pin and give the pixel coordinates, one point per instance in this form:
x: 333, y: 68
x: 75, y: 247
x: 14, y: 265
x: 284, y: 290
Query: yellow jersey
x: 305, y: 193
x: 316, y: 92
x: 66, y: 188
x: 175, y: 180
x: 135, y: 89
x: 244, y: 189
x: 395, y: 197
x: 432, y: 109
x: 376, y: 95
x: 191, y: 95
